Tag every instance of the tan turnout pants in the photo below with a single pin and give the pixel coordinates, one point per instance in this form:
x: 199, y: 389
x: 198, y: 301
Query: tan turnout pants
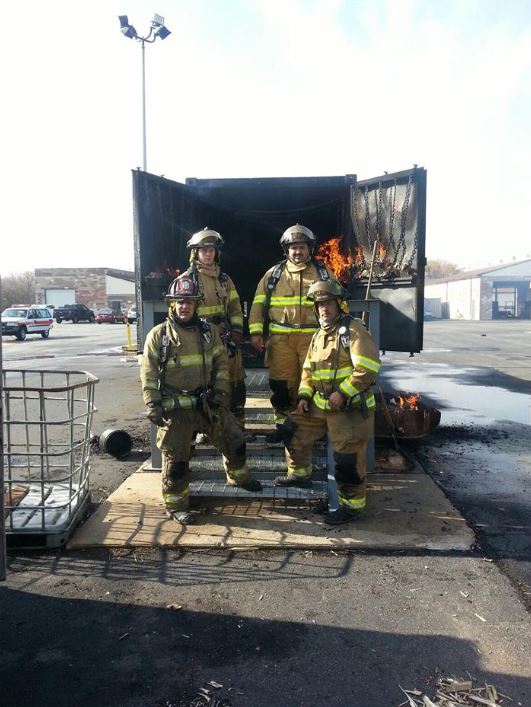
x: 349, y: 432
x: 174, y: 443
x: 285, y: 354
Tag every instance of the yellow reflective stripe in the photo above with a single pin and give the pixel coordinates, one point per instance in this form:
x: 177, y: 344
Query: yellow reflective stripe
x: 151, y: 386
x: 178, y: 401
x: 305, y: 390
x: 223, y: 375
x: 347, y: 388
x: 370, y: 401
x: 259, y: 299
x: 239, y: 475
x: 279, y: 329
x: 330, y: 373
x: 175, y: 496
x: 299, y: 472
x: 204, y: 311
x: 320, y: 402
x: 369, y: 363
x: 290, y: 301
x: 356, y: 503
x: 257, y: 328
x: 233, y: 294
x: 216, y: 350
x: 236, y: 320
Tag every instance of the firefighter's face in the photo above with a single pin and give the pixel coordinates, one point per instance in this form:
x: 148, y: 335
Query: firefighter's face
x: 298, y: 252
x: 184, y: 309
x: 328, y: 311
x: 206, y: 256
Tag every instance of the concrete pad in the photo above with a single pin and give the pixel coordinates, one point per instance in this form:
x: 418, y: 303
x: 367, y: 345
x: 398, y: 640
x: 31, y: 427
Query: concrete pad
x: 405, y: 511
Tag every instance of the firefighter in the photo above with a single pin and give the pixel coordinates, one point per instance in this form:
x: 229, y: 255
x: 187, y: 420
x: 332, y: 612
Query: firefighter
x: 282, y: 319
x: 334, y: 397
x: 220, y: 306
x: 185, y: 385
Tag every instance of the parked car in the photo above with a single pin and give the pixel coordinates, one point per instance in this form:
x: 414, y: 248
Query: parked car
x: 73, y: 312
x: 21, y: 320
x: 110, y: 316
x: 131, y: 314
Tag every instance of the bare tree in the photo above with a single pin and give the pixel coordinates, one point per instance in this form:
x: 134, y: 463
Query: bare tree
x: 18, y: 288
x: 437, y: 269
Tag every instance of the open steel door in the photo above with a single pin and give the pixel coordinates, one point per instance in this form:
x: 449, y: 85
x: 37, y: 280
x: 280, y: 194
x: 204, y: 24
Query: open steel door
x: 389, y: 221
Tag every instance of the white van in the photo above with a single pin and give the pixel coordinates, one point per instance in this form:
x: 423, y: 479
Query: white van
x: 22, y: 319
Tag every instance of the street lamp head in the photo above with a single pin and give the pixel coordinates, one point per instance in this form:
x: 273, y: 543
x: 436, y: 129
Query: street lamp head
x: 162, y: 32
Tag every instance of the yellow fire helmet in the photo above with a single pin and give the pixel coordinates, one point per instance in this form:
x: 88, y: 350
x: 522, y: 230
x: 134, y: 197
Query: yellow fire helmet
x: 297, y: 234
x: 206, y: 238
x: 323, y: 290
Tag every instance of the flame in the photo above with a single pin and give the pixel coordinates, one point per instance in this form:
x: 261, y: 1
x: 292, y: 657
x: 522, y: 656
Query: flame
x: 408, y: 401
x: 382, y: 252
x: 174, y: 272
x: 341, y: 265
x: 359, y: 258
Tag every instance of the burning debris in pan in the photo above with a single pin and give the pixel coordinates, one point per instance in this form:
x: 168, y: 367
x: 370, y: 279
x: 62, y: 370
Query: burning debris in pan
x: 404, y: 415
x: 452, y: 692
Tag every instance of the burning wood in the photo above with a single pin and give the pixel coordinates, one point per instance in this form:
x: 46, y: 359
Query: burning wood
x: 408, y: 417
x: 408, y: 401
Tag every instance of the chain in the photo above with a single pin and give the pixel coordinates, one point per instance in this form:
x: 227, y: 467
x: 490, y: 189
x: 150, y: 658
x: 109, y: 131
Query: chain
x: 414, y: 251
x: 367, y: 220
x: 354, y: 208
x: 403, y: 223
x: 391, y: 244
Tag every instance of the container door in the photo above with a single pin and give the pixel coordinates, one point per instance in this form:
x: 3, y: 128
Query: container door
x: 389, y: 234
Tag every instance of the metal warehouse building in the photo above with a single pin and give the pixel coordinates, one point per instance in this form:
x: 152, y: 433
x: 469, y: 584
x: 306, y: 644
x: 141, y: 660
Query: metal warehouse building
x: 499, y: 292
x: 95, y: 287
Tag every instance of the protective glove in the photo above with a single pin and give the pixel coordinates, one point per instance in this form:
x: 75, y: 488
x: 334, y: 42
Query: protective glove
x: 217, y: 398
x: 237, y: 336
x: 155, y: 414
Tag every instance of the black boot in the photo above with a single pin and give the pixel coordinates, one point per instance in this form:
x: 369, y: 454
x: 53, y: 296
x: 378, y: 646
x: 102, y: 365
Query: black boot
x: 252, y: 485
x: 341, y: 515
x: 274, y: 436
x: 181, y: 517
x: 291, y: 481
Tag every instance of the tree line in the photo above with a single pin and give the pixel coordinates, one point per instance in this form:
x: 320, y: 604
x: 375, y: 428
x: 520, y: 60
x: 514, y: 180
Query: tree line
x: 17, y: 289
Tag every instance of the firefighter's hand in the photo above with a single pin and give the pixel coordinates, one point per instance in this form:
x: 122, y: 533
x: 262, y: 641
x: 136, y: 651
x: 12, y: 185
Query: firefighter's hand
x: 237, y: 336
x: 155, y: 415
x: 257, y: 342
x: 217, y: 399
x: 336, y: 400
x: 303, y: 406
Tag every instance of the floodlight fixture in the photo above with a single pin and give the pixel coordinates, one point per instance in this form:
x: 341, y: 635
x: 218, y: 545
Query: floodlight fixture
x: 124, y: 22
x: 162, y: 32
x: 157, y: 21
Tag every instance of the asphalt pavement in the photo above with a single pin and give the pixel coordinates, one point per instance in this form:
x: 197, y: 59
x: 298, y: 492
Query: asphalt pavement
x: 150, y: 628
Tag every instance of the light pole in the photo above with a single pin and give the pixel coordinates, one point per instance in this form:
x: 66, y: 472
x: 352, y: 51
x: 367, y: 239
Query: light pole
x: 157, y: 29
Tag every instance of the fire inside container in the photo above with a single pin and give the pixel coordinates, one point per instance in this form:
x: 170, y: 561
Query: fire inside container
x: 348, y: 219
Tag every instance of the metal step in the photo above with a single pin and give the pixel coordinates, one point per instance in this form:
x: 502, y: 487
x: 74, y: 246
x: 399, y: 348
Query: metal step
x: 262, y: 463
x: 219, y: 489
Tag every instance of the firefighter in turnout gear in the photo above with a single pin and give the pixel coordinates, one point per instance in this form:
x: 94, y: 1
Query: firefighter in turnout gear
x: 334, y: 397
x: 185, y: 385
x: 283, y: 321
x: 220, y: 306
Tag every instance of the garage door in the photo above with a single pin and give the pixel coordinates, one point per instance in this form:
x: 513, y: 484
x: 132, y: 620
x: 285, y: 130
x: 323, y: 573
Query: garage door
x: 59, y: 296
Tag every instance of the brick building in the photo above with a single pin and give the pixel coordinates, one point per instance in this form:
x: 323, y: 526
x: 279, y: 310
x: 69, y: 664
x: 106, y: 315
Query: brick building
x: 95, y: 287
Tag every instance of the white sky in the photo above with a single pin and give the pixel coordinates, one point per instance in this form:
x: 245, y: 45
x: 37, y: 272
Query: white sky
x: 247, y: 88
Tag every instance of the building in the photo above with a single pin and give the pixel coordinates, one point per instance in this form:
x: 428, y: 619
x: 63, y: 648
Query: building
x: 95, y: 287
x: 498, y: 292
